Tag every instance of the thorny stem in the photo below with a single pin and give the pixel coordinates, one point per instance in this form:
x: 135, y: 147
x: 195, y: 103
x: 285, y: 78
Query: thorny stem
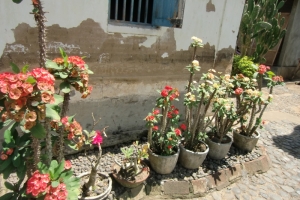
x: 48, y: 142
x: 36, y: 146
x: 150, y: 136
x: 251, y: 118
x: 63, y: 113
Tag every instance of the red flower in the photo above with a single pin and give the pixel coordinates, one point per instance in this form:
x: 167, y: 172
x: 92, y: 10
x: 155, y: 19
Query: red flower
x: 262, y: 69
x: 37, y: 183
x: 68, y: 164
x: 176, y: 111
x: 277, y: 78
x: 155, y: 112
x: 98, y: 138
x: 150, y: 118
x: 164, y: 93
x: 170, y: 115
x: 9, y: 151
x: 167, y: 87
x: 177, y: 131
x: 183, y: 127
x: 238, y: 91
x: 3, y: 156
x: 70, y: 136
x: 172, y: 97
x: 155, y: 128
x: 170, y: 147
x: 65, y: 120
x: 57, y: 193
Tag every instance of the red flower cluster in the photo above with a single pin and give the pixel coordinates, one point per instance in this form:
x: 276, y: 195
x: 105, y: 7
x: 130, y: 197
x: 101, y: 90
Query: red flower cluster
x: 177, y: 131
x: 37, y: 183
x: 238, y: 91
x: 79, y: 71
x: 22, y: 88
x: 171, y: 92
x: 58, y: 193
x: 173, y: 112
x: 150, y: 118
x: 5, y: 155
x: 263, y: 68
x: 155, y: 128
x: 182, y: 127
x: 277, y: 78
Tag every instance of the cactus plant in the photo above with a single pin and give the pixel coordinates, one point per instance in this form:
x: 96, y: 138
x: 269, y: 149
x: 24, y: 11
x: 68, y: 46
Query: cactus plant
x: 261, y: 24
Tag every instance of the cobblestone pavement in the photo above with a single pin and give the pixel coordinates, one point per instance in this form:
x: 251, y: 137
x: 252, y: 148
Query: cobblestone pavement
x: 281, y: 138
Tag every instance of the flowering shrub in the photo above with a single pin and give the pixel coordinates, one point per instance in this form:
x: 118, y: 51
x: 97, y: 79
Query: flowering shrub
x: 250, y: 98
x: 164, y: 139
x: 73, y: 71
x: 55, y: 182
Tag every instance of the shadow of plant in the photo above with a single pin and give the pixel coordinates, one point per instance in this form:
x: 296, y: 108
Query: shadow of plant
x: 289, y: 143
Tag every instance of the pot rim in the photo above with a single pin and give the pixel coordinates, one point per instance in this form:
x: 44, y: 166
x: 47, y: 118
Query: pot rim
x: 154, y: 154
x: 231, y: 140
x: 204, y: 152
x: 102, y: 195
x: 256, y: 132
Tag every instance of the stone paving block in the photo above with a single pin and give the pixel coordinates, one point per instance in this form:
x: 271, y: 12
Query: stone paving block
x: 200, y: 186
x: 176, y: 187
x: 233, y: 173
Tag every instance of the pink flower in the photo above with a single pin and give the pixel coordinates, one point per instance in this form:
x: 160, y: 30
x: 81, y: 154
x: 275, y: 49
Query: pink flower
x: 238, y: 91
x: 9, y: 151
x: 150, y: 118
x: 167, y: 87
x: 262, y: 69
x: 3, y: 156
x: 155, y: 128
x: 155, y: 112
x: 97, y: 139
x: 164, y: 93
x: 65, y: 120
x: 68, y: 164
x: 37, y: 183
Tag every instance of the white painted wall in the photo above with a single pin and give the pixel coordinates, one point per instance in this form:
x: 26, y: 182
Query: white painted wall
x: 218, y: 28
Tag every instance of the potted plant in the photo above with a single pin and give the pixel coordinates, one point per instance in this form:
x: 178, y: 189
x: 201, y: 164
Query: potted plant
x: 250, y: 97
x: 77, y: 139
x: 163, y: 132
x: 132, y: 171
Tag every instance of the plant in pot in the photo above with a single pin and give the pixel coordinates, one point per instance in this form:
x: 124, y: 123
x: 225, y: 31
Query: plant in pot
x: 163, y: 132
x: 250, y: 98
x: 76, y: 139
x: 132, y: 171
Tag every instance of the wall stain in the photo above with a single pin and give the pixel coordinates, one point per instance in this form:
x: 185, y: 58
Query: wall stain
x: 210, y: 7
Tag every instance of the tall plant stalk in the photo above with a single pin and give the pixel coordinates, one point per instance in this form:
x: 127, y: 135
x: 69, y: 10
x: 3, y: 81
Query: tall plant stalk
x: 63, y: 113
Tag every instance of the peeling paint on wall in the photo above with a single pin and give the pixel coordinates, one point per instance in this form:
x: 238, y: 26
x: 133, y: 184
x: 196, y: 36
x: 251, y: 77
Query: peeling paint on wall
x: 165, y: 55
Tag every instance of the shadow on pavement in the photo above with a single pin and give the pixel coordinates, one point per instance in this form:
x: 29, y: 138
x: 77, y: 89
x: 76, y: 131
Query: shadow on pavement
x: 289, y: 143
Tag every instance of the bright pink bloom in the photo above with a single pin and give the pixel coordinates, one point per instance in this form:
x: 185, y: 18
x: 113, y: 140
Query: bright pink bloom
x: 37, y: 183
x: 58, y: 193
x: 262, y: 69
x: 97, y: 139
x: 238, y: 91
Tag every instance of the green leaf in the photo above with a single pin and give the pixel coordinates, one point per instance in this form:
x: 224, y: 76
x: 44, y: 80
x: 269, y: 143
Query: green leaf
x: 265, y: 25
x: 5, y: 163
x: 15, y: 68
x: 58, y: 99
x: 7, y: 136
x: 54, y: 184
x: 65, y: 87
x: 25, y: 69
x: 7, y: 196
x: 53, y: 65
x: 31, y: 80
x: 90, y: 72
x: 16, y: 159
x: 63, y: 75
x: 59, y: 169
x: 9, y: 186
x: 38, y: 131
x: 270, y: 74
x: 51, y: 113
x: 62, y: 52
x: 21, y: 171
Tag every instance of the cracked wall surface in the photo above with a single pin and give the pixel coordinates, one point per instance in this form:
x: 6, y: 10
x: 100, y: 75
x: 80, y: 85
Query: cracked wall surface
x: 129, y: 62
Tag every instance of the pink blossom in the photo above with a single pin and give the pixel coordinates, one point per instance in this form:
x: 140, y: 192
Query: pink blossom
x: 97, y: 139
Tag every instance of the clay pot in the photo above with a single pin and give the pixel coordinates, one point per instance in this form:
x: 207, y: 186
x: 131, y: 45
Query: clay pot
x: 244, y: 142
x: 218, y: 150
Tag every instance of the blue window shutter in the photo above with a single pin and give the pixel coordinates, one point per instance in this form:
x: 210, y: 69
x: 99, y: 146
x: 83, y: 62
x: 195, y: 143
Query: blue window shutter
x: 163, y: 12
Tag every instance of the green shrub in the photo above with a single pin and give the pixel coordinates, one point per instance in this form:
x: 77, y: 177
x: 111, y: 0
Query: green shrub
x: 243, y: 65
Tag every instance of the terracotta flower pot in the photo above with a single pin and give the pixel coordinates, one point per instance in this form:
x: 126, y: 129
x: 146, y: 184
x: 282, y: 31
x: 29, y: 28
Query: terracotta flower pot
x: 190, y: 159
x: 163, y: 164
x: 244, y: 142
x: 137, y: 179
x: 100, y: 196
x: 218, y: 150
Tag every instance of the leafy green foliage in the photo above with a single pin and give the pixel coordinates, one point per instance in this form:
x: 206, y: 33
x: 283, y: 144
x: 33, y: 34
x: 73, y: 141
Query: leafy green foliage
x: 15, y: 68
x: 243, y: 65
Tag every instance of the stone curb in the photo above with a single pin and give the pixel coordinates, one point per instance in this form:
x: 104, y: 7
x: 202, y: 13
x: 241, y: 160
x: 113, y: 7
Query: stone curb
x: 204, y: 185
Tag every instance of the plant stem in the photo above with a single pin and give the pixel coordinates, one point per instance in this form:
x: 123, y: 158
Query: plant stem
x: 92, y: 180
x: 36, y: 146
x: 150, y: 136
x: 48, y: 142
x: 251, y: 119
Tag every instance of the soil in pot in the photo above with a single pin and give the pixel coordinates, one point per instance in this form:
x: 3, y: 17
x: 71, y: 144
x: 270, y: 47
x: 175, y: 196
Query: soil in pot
x: 128, y: 178
x: 101, y: 185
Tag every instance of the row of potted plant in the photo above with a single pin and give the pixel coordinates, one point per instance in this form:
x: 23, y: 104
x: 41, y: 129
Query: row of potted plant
x: 214, y: 107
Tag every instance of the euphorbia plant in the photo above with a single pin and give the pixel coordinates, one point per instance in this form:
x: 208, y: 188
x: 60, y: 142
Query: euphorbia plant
x: 73, y: 72
x: 250, y: 98
x: 163, y: 130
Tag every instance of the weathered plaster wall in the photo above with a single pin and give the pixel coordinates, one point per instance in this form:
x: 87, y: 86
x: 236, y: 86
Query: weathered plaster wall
x: 290, y: 52
x: 130, y: 63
